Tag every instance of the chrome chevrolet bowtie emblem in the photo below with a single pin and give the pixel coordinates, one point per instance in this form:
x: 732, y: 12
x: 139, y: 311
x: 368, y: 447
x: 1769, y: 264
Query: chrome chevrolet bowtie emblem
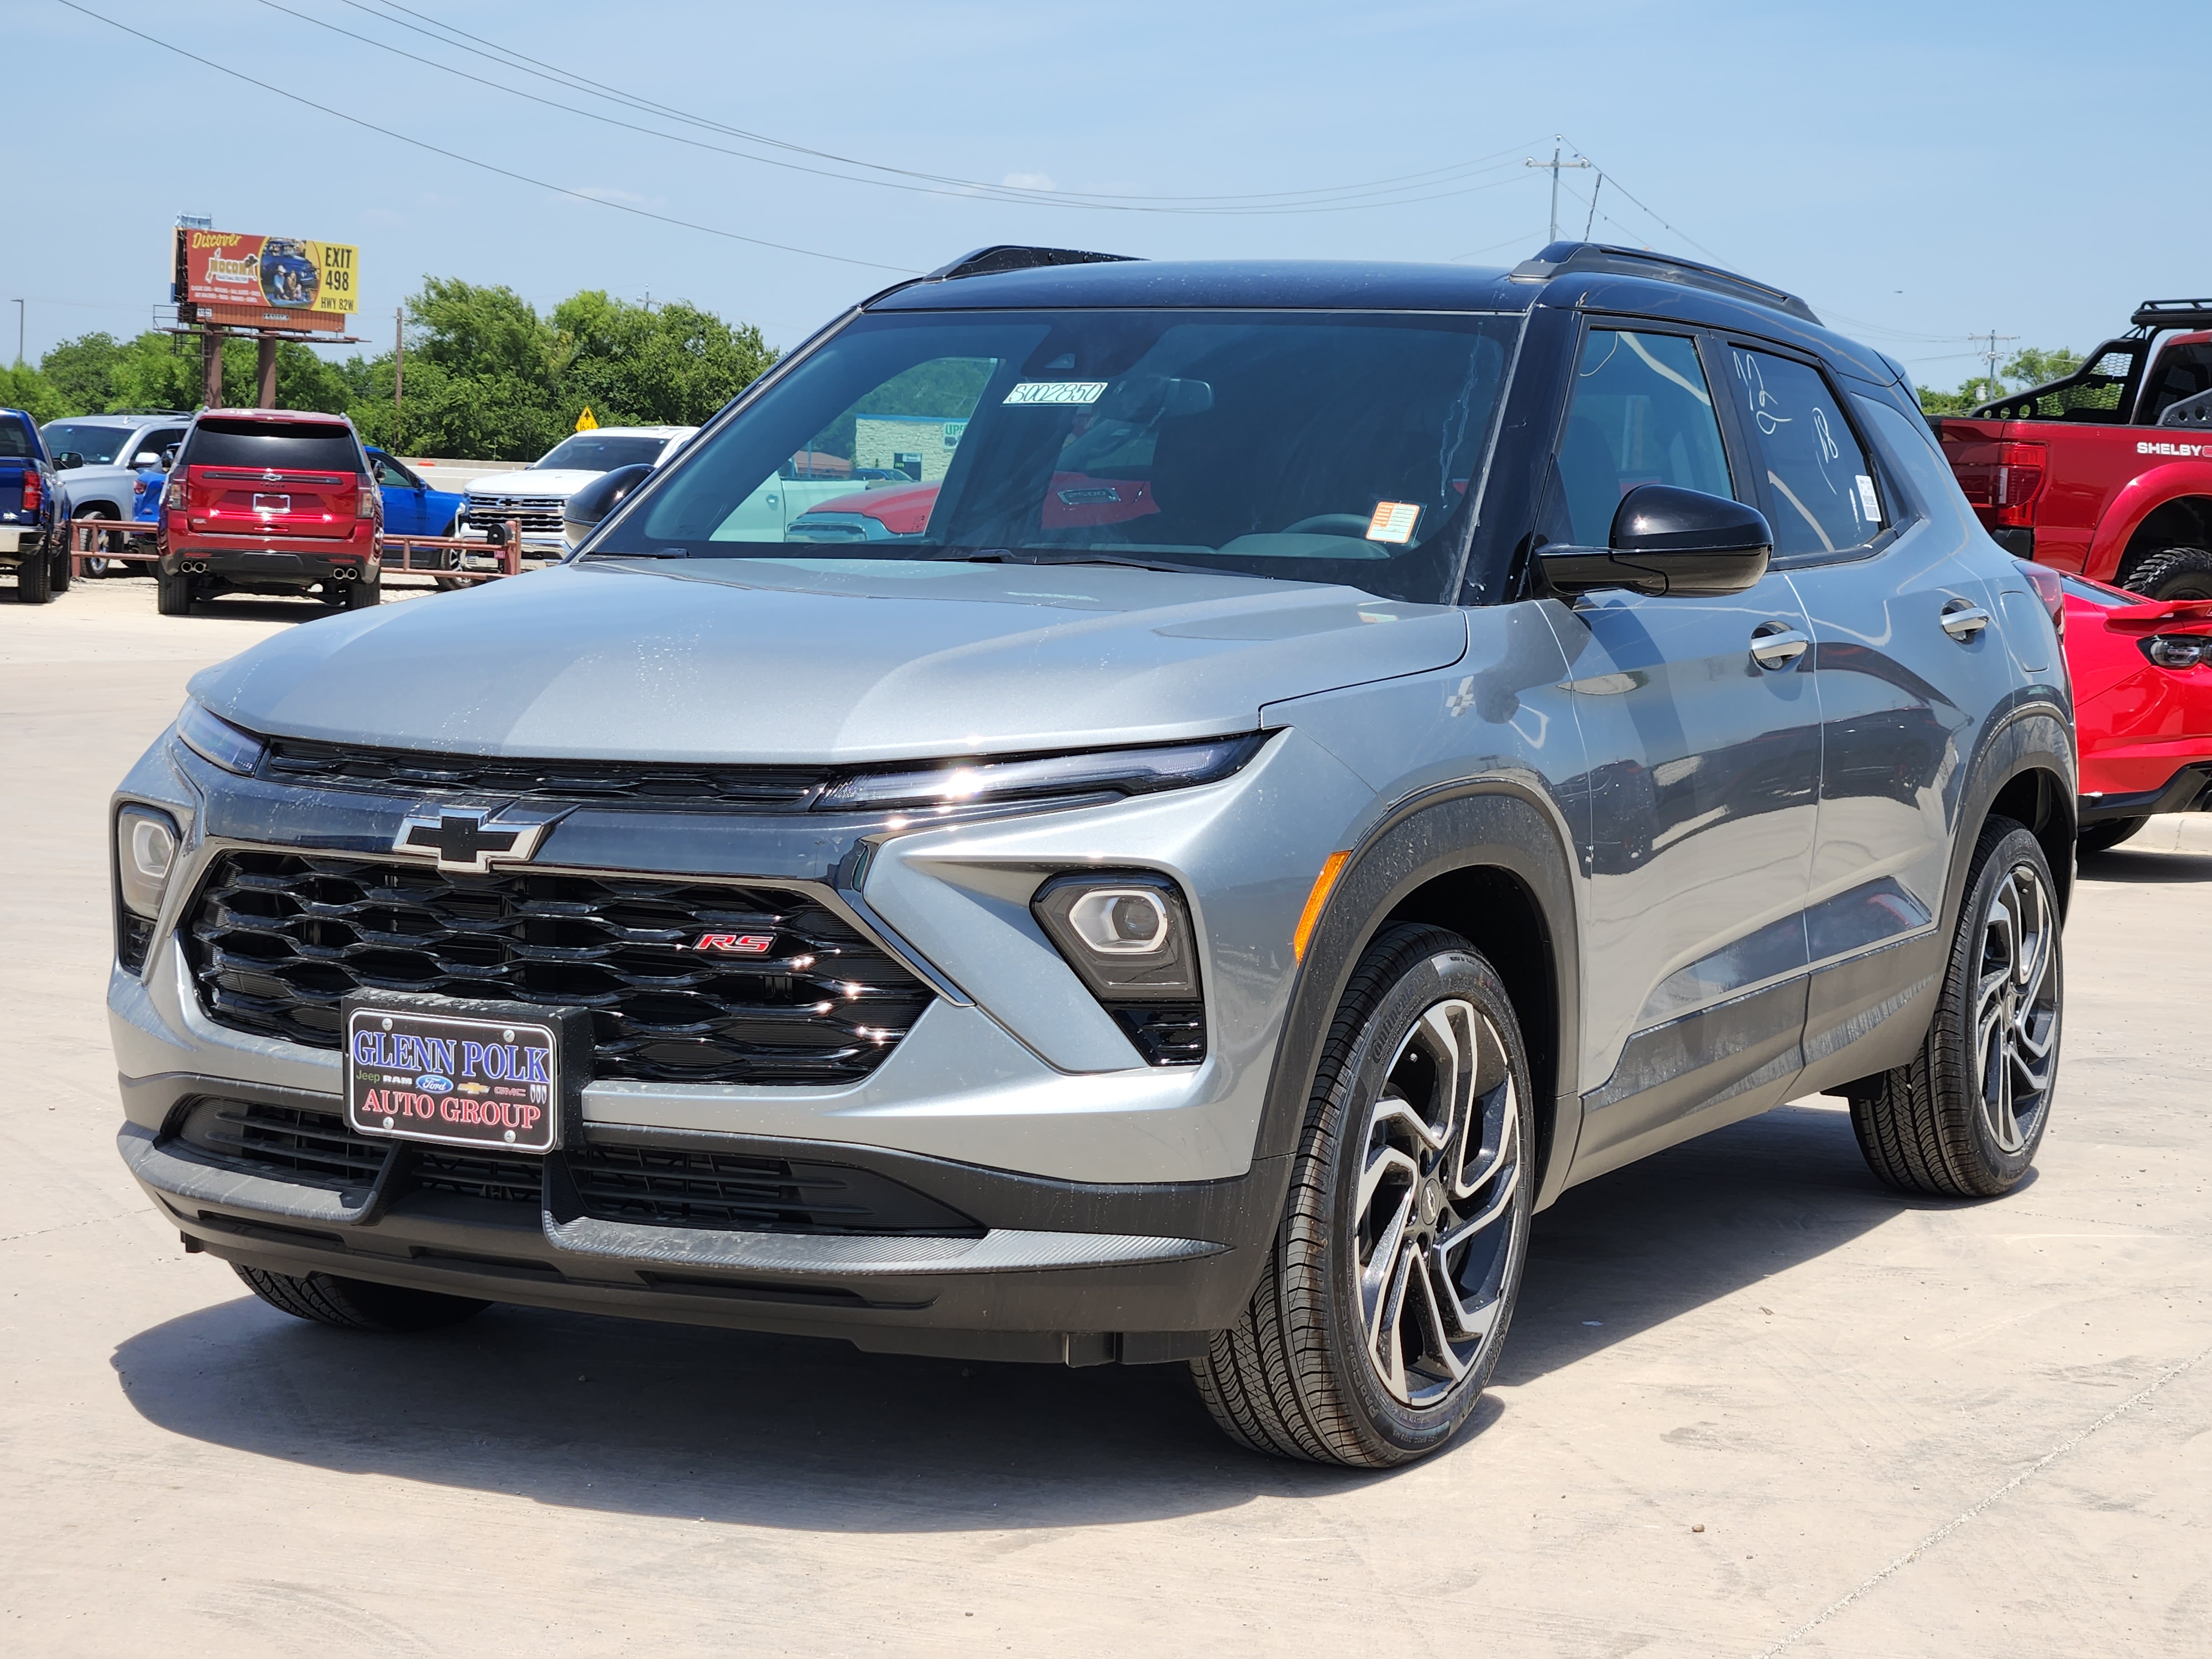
x: 461, y: 841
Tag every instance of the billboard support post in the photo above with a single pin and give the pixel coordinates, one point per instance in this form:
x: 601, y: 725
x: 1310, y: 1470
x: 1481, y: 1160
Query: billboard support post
x: 265, y: 366
x: 211, y: 369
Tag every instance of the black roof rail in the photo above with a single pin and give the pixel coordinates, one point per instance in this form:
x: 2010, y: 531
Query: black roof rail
x: 1012, y: 256
x: 2173, y: 314
x: 1563, y: 258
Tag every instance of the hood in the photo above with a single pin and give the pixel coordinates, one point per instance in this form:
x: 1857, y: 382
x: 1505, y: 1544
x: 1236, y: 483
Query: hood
x: 533, y: 481
x: 821, y: 661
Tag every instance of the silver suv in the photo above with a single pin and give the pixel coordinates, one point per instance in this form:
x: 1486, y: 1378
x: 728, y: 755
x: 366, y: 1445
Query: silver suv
x: 1344, y: 753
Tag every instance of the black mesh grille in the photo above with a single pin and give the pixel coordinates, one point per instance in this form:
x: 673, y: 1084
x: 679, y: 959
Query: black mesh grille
x: 1170, y: 1034
x: 664, y: 1187
x: 344, y: 766
x: 479, y: 1175
x: 309, y: 1149
x: 276, y: 939
x: 651, y: 1185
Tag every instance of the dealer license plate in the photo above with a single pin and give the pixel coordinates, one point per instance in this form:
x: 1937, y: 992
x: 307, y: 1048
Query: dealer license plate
x: 470, y: 1074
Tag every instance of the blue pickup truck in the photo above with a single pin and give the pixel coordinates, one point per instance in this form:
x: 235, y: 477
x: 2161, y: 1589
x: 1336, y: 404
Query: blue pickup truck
x: 33, y: 535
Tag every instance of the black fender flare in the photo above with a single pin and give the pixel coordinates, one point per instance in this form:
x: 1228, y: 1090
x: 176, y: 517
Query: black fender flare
x: 1484, y: 823
x: 2033, y: 735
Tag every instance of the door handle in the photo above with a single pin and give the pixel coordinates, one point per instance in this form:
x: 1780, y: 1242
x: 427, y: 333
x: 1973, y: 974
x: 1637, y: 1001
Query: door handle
x: 1963, y: 619
x: 1777, y: 644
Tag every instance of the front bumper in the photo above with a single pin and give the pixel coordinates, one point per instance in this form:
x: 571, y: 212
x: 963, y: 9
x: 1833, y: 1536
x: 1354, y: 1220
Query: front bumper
x: 1055, y: 1272
x: 1120, y: 1210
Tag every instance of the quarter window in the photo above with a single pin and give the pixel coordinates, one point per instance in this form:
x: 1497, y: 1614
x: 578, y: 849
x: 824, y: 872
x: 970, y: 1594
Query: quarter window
x: 1821, y: 489
x: 1641, y: 414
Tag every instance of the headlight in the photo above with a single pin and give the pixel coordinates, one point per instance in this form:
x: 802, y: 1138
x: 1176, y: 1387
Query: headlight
x: 1125, y: 771
x: 2178, y: 650
x: 145, y: 851
x: 218, y: 742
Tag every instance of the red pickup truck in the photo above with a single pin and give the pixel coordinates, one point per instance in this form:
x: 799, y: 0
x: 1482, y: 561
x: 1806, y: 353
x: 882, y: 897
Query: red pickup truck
x: 2108, y: 472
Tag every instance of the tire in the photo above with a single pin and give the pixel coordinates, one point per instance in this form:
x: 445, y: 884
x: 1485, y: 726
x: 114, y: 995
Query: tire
x: 60, y: 570
x: 2173, y: 572
x: 360, y: 596
x: 1943, y: 1124
x: 357, y: 1305
x: 172, y: 593
x: 2103, y: 837
x: 1298, y: 1375
x: 34, y: 579
x: 105, y: 540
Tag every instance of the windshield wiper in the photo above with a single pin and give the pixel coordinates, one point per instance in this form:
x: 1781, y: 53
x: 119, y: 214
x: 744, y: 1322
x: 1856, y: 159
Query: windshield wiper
x: 1041, y: 555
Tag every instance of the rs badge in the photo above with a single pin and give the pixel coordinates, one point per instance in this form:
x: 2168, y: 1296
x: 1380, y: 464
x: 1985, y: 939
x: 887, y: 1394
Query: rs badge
x: 736, y: 944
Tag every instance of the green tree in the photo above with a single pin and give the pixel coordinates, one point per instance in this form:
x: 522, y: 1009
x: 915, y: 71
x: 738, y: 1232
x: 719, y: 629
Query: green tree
x: 28, y: 390
x: 2033, y: 365
x: 670, y: 365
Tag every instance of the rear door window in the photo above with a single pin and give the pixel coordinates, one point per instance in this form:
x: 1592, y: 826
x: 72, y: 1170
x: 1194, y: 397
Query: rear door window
x: 1821, y: 490
x: 279, y: 445
x: 1642, y: 413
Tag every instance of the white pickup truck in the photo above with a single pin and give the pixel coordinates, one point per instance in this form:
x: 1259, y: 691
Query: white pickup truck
x: 536, y: 495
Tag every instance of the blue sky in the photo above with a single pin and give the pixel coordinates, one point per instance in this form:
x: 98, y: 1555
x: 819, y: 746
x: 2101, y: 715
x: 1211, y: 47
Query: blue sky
x: 1920, y: 173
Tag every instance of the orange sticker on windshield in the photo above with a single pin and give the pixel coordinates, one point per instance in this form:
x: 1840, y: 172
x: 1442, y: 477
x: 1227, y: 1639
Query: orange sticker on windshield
x: 1394, y: 521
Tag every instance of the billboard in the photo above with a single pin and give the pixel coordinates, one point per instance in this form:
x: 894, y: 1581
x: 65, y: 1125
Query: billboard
x: 266, y: 282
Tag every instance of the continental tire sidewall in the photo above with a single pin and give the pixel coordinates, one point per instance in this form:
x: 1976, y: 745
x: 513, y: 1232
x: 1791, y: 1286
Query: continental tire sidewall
x: 1459, y: 972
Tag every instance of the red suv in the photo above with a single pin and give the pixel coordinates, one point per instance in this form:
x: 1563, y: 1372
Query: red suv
x: 270, y: 500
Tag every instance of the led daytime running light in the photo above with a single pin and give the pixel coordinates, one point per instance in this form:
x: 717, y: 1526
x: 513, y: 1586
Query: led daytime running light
x: 1128, y: 771
x: 218, y: 742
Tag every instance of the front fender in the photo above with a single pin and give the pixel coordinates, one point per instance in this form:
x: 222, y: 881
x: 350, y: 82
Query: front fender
x: 2139, y: 497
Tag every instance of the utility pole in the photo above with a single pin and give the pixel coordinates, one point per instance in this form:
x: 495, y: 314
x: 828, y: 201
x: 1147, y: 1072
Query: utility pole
x: 1992, y: 354
x: 1554, y: 166
x: 19, y: 334
x: 398, y: 366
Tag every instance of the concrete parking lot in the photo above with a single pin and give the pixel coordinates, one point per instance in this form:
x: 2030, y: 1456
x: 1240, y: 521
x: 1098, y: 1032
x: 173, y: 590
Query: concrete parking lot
x: 1754, y: 1402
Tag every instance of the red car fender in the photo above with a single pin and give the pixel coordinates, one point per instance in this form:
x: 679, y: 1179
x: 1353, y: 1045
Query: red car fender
x: 2135, y: 500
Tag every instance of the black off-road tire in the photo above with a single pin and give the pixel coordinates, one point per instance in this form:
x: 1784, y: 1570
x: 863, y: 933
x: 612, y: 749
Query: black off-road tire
x: 174, y: 594
x: 1923, y: 1126
x: 34, y: 579
x: 2173, y: 572
x: 357, y: 1305
x: 1293, y: 1377
x: 2103, y: 837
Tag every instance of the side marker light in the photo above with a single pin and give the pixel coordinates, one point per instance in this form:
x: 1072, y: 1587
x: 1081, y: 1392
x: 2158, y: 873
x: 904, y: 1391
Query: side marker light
x: 1309, y: 918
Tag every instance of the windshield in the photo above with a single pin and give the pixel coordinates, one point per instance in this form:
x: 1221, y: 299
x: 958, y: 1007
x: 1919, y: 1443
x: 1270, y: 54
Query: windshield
x: 98, y: 445
x: 588, y: 452
x: 1310, y: 445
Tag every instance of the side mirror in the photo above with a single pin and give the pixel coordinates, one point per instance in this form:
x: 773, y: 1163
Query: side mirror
x: 169, y: 461
x: 145, y: 458
x: 1666, y: 541
x: 68, y: 461
x: 596, y: 499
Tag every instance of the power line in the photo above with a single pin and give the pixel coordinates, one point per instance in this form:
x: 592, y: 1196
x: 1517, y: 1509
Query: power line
x: 471, y: 161
x: 1306, y: 200
x: 1552, y: 166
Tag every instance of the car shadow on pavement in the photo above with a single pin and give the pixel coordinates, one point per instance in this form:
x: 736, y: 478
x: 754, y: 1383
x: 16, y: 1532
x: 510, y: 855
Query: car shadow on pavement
x: 642, y: 1418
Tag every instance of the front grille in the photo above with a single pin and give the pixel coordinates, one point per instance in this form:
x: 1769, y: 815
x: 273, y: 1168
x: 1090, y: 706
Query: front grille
x: 276, y: 939
x: 346, y: 766
x: 661, y: 1188
x: 309, y: 1149
x: 541, y: 514
x: 472, y: 1174
x: 649, y: 1186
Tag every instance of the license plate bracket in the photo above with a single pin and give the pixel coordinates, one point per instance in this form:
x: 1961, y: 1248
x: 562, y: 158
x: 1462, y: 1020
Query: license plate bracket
x: 461, y: 1071
x: 265, y: 503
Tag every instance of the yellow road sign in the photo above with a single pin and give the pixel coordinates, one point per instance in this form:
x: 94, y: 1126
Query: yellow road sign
x: 587, y: 422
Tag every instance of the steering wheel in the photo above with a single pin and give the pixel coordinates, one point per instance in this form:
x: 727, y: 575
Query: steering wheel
x: 1331, y: 524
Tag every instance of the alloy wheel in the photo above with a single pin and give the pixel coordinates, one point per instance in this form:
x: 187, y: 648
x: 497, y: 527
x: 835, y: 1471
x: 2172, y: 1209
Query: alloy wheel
x: 2016, y: 1008
x: 1435, y: 1206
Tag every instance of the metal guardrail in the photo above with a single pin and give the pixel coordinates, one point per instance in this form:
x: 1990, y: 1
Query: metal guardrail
x: 136, y: 535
